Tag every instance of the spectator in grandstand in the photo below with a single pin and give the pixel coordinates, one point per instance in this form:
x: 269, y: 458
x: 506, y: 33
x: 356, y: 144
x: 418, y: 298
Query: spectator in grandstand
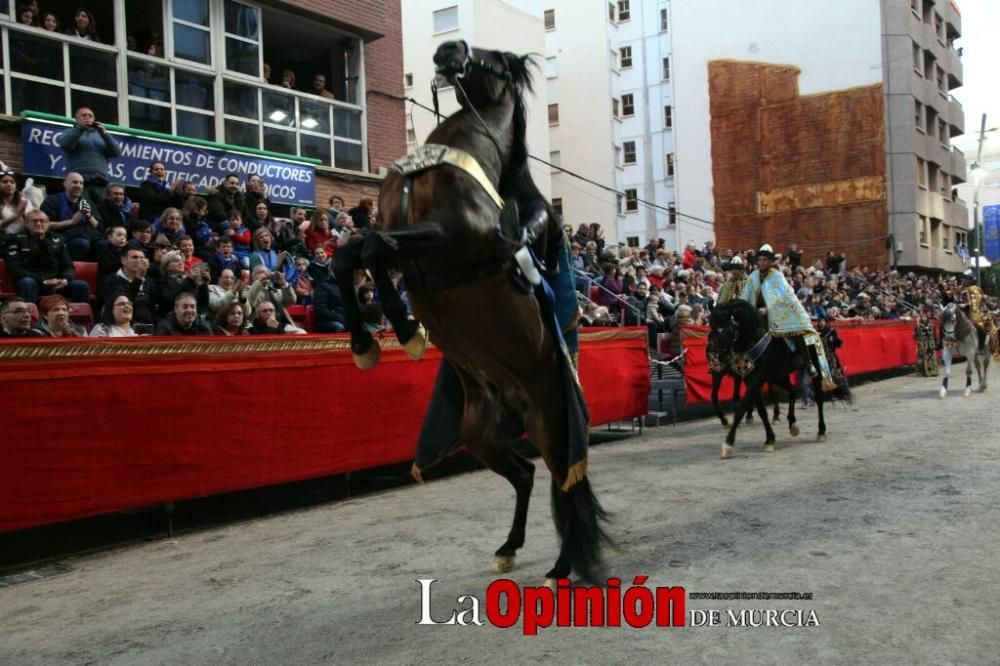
x: 265, y: 320
x: 195, y: 215
x: 141, y: 232
x: 347, y: 230
x: 240, y: 237
x: 288, y: 79
x: 591, y: 261
x: 39, y: 263
x: 336, y: 207
x: 25, y: 15
x: 170, y: 226
x: 255, y: 194
x: 175, y: 280
x: 186, y: 247
x: 109, y: 256
x: 224, y: 201
x: 88, y: 146
x: 155, y: 195
x: 272, y: 286
x: 285, y: 233
x: 131, y: 280
x: 319, y: 234
x: 264, y: 254
x: 224, y: 259
x: 84, y: 25
x: 230, y: 320
x: 362, y: 213
x: 55, y: 321
x: 319, y: 266
x: 183, y: 318
x: 116, y: 318
x: 115, y: 210
x: 15, y: 319
x: 302, y: 282
x: 72, y: 217
x: 228, y: 290
x: 328, y: 307
x: 14, y: 206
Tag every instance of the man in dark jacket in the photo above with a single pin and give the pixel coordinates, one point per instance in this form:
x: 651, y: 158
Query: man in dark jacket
x: 88, y: 147
x: 265, y: 320
x: 115, y: 210
x: 224, y: 200
x: 329, y: 307
x: 74, y: 218
x: 15, y: 320
x: 39, y: 263
x: 184, y: 318
x: 154, y: 193
x: 131, y: 279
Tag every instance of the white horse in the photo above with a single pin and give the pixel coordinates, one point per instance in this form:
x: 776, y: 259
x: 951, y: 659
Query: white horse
x: 959, y: 336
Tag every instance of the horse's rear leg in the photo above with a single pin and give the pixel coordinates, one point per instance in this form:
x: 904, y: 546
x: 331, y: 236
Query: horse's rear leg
x: 364, y: 348
x: 820, y: 399
x: 478, y: 431
x: 768, y: 431
x: 970, y: 360
x: 716, y: 383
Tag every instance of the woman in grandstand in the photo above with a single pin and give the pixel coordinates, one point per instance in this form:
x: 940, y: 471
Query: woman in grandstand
x: 259, y: 216
x: 116, y: 318
x: 14, y: 206
x: 170, y: 226
x: 264, y: 254
x: 175, y: 279
x: 318, y: 234
x: 230, y: 320
x: 272, y: 286
x: 228, y: 289
x: 55, y: 321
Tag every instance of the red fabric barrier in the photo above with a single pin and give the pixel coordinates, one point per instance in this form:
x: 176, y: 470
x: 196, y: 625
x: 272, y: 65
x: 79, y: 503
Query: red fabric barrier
x: 869, y: 346
x: 102, y: 425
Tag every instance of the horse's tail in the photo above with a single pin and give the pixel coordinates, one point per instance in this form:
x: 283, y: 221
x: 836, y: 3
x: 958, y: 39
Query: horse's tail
x: 578, y: 516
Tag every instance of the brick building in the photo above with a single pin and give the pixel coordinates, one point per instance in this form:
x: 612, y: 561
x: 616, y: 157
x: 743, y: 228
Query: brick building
x: 197, y: 70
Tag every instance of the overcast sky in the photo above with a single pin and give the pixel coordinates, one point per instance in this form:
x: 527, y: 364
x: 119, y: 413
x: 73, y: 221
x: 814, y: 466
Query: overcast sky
x: 980, y: 44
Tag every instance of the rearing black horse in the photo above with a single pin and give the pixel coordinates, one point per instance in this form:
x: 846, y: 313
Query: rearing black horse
x: 740, y: 338
x: 451, y: 218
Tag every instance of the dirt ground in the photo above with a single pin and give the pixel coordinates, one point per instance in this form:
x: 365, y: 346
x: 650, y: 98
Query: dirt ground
x: 891, y: 525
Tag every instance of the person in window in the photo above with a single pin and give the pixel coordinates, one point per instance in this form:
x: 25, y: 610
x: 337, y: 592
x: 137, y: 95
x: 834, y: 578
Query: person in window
x: 25, y: 15
x: 14, y: 207
x: 267, y: 73
x: 116, y: 318
x: 55, y: 322
x: 288, y: 79
x: 319, y: 87
x: 49, y: 22
x: 84, y: 25
x: 88, y: 147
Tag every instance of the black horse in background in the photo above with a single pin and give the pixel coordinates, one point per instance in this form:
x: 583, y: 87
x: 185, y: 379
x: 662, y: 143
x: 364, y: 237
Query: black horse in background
x: 452, y: 219
x: 739, y: 337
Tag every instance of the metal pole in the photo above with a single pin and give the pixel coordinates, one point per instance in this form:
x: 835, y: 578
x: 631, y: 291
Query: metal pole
x: 979, y: 274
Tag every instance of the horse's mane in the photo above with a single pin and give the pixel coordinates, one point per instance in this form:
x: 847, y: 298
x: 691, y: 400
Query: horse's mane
x: 516, y: 179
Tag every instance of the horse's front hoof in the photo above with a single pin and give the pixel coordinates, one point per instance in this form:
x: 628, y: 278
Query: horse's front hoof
x: 943, y: 393
x: 503, y: 563
x: 727, y: 452
x: 776, y: 419
x: 416, y: 345
x: 370, y: 358
x: 793, y: 430
x: 769, y: 447
x: 725, y: 422
x: 821, y: 438
x: 982, y: 388
x: 968, y: 391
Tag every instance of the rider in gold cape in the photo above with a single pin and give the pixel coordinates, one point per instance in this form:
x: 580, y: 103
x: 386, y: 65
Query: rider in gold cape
x: 786, y: 318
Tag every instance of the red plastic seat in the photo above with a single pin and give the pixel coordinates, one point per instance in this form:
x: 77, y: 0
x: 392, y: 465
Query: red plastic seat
x: 310, y: 319
x: 80, y: 313
x: 87, y: 271
x: 299, y: 316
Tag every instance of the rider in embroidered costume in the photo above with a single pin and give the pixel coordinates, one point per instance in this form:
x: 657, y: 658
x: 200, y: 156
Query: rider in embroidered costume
x: 786, y: 318
x: 735, y: 281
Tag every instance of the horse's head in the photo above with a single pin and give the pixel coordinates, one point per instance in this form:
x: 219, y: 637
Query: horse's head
x: 949, y: 322
x: 482, y: 78
x: 724, y: 333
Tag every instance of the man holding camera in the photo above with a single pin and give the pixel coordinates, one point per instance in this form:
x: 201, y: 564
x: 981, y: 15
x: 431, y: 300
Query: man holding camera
x: 88, y: 147
x: 73, y: 218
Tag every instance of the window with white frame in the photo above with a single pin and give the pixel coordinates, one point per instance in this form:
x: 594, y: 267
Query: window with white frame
x: 411, y: 136
x: 446, y: 19
x: 668, y: 117
x: 628, y: 104
x: 923, y: 230
x: 625, y: 57
x: 631, y: 200
x: 663, y: 20
x: 624, y: 13
x: 551, y: 67
x: 408, y: 79
x: 666, y: 69
x: 918, y: 115
x: 628, y: 150
x: 611, y: 11
x: 199, y: 69
x: 550, y: 19
x: 557, y: 205
x: 615, y: 107
x: 619, y: 203
x: 553, y: 114
x: 670, y: 165
x: 618, y: 155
